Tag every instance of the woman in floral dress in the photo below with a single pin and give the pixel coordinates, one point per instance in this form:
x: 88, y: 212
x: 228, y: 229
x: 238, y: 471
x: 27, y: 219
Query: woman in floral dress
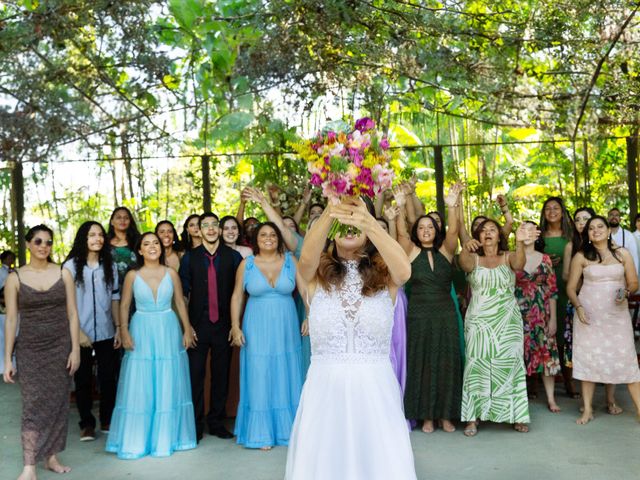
x: 536, y: 293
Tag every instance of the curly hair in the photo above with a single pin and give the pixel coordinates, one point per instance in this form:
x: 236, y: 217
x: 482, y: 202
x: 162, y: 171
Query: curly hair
x: 80, y: 251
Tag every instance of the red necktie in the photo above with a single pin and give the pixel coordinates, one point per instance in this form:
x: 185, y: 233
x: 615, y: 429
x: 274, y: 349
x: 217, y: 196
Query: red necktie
x: 213, y: 289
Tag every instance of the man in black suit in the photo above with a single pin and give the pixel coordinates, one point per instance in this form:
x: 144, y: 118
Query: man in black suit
x: 208, y: 276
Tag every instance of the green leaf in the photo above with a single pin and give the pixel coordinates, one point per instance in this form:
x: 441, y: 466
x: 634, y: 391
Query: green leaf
x: 186, y: 12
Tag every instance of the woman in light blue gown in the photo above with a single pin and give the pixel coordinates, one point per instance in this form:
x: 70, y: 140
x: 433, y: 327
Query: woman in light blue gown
x: 270, y: 358
x: 153, y: 413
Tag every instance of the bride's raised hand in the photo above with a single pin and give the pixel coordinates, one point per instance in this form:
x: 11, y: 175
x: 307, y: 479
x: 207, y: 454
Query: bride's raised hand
x: 353, y: 212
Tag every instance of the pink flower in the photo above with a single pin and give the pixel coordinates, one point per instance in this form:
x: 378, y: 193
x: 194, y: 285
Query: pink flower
x: 331, y: 137
x: 384, y: 143
x: 383, y: 178
x: 316, y: 180
x: 365, y: 124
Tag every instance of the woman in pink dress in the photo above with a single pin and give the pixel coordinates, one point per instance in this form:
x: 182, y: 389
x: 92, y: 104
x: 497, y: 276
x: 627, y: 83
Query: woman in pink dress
x: 603, y: 344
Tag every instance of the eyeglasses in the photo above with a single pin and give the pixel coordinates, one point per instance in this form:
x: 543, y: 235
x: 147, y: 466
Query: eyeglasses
x: 207, y: 225
x: 38, y: 241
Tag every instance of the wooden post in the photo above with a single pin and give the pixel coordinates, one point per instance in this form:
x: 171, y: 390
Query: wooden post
x: 17, y: 210
x: 585, y: 157
x: 438, y: 164
x: 632, y: 177
x: 206, y: 184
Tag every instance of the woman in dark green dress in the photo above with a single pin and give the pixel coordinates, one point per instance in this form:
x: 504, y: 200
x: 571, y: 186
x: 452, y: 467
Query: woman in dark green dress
x: 434, y: 358
x: 557, y: 229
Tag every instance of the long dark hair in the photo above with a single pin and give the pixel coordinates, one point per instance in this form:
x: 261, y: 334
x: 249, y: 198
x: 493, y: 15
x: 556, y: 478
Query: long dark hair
x: 231, y: 218
x: 185, y: 237
x: 139, y: 258
x: 442, y: 230
x: 539, y: 244
x: 476, y: 218
x: 132, y: 233
x: 80, y: 251
x: 287, y: 217
x: 503, y: 244
x: 438, y: 239
x: 576, y: 239
x: 176, y: 245
x: 566, y: 223
x: 32, y: 233
x: 280, y: 248
x: 589, y: 251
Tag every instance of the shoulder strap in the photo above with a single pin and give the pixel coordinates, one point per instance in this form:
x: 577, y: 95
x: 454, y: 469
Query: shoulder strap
x: 477, y: 259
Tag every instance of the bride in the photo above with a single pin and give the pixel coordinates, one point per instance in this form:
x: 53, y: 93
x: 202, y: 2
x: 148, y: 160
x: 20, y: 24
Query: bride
x: 350, y: 424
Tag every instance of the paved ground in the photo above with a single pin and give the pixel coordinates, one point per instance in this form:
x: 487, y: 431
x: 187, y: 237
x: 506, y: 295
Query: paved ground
x: 555, y: 448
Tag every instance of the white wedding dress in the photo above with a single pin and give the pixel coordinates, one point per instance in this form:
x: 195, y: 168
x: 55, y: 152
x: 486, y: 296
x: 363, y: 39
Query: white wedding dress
x: 350, y: 424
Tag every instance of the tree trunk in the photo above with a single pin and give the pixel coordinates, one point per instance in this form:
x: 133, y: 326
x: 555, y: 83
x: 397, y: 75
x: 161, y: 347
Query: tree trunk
x: 17, y: 211
x: 439, y: 173
x: 632, y: 178
x: 206, y: 184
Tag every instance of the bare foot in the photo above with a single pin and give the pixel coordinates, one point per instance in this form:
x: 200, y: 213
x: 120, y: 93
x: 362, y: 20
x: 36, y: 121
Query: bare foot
x: 521, y: 427
x: 613, y: 409
x: 553, y: 407
x: 447, y: 426
x: 28, y: 473
x: 54, y: 465
x: 427, y: 426
x: 586, y: 417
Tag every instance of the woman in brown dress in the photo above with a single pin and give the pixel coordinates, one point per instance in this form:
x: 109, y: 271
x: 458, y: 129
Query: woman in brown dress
x: 47, y: 351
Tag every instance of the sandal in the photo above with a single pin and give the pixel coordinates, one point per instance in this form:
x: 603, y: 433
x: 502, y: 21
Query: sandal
x: 471, y: 430
x: 521, y: 427
x: 613, y: 409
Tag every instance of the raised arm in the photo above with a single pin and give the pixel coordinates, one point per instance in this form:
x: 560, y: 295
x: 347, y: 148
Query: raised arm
x: 306, y: 198
x: 451, y: 200
x: 355, y: 213
x: 290, y: 240
x: 518, y: 259
x: 236, y: 337
x: 468, y: 256
x: 508, y: 218
x: 402, y: 232
x: 241, y: 207
x: 313, y: 245
x: 463, y: 233
x: 390, y: 214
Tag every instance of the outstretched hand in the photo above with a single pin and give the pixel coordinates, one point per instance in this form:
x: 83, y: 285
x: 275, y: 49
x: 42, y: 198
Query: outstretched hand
x: 527, y: 232
x: 252, y: 194
x: 453, y: 196
x: 473, y: 245
x: 352, y: 212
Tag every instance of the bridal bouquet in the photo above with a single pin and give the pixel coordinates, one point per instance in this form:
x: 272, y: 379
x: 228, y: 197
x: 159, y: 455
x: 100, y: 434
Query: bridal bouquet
x: 348, y: 162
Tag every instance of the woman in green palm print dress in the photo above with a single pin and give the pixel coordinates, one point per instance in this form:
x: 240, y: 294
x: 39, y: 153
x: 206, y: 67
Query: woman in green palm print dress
x: 494, y: 386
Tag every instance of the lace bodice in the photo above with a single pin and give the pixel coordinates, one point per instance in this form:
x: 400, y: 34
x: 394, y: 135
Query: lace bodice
x: 346, y: 325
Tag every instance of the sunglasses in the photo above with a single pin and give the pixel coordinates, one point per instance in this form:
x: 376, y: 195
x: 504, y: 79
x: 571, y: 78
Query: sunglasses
x: 38, y: 241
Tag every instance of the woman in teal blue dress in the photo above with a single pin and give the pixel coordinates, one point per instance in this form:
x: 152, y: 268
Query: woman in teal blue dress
x: 270, y: 358
x: 154, y: 412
